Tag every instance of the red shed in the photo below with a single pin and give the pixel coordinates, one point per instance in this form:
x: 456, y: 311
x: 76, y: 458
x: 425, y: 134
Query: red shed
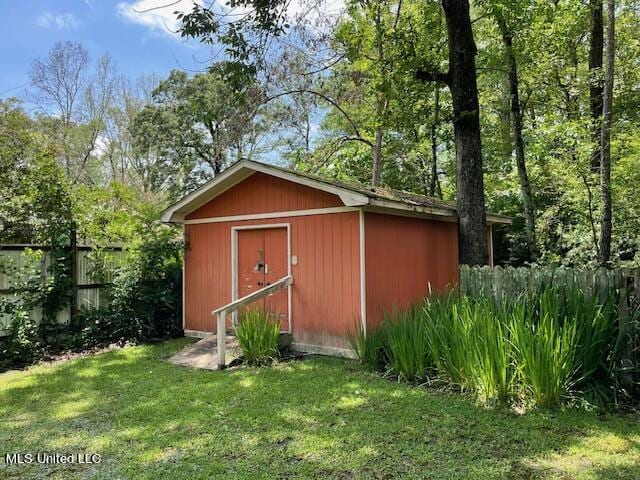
x: 353, y: 252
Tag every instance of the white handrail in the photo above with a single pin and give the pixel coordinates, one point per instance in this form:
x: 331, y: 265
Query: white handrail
x: 222, y: 312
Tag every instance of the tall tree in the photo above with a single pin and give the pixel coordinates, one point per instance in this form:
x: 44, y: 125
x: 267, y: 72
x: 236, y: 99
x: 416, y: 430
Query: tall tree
x: 596, y: 47
x: 196, y: 126
x: 462, y: 82
x: 604, y: 245
x: 73, y: 102
x: 518, y: 139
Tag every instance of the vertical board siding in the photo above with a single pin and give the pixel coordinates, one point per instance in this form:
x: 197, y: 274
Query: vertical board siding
x: 261, y: 193
x: 405, y: 258
x: 325, y: 298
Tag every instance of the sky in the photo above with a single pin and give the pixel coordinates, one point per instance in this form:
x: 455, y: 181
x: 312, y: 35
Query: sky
x: 139, y: 42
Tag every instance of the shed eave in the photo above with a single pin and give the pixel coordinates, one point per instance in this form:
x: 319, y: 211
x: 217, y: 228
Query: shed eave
x: 493, y: 219
x: 444, y: 214
x: 177, y: 212
x: 391, y: 206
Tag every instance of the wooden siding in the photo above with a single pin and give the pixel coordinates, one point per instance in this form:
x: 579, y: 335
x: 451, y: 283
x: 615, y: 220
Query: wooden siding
x: 404, y: 257
x: 325, y: 292
x: 261, y: 193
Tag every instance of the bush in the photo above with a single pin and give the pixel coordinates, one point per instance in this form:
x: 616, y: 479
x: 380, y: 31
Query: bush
x: 257, y: 333
x: 22, y: 345
x: 538, y: 349
x: 146, y: 296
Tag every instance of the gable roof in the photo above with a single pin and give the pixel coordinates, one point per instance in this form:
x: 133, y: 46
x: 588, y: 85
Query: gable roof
x: 352, y: 195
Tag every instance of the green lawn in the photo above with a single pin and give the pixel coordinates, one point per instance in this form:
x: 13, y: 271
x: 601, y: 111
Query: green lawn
x: 318, y: 418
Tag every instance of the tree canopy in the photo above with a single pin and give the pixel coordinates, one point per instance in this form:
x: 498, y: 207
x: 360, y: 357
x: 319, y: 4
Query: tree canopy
x: 362, y: 96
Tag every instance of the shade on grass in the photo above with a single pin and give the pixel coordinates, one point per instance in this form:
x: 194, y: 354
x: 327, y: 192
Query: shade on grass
x: 319, y: 418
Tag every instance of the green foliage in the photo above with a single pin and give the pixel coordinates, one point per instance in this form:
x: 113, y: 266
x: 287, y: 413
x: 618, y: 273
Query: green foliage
x: 546, y: 352
x: 16, y: 143
x: 258, y: 333
x: 146, y: 295
x: 540, y: 349
x: 369, y: 346
x: 316, y: 419
x: 22, y: 345
x: 194, y: 127
x: 407, y: 345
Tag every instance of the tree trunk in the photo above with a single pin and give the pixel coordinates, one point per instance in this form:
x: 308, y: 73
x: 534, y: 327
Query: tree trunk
x: 472, y: 240
x: 434, y: 142
x: 376, y: 174
x: 596, y: 46
x: 516, y: 115
x: 381, y: 102
x: 604, y: 250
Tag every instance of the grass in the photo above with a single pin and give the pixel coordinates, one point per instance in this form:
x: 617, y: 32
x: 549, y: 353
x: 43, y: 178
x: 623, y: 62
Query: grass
x: 318, y: 418
x: 257, y: 333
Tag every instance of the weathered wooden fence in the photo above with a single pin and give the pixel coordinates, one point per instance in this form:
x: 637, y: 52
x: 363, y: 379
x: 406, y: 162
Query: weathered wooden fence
x: 90, y: 284
x: 511, y: 282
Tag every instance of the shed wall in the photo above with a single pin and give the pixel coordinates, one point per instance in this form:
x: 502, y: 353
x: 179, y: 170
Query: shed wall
x: 405, y: 257
x: 325, y: 299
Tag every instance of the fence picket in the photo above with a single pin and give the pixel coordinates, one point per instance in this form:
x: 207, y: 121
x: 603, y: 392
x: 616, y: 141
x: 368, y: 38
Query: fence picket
x: 91, y: 289
x: 499, y: 282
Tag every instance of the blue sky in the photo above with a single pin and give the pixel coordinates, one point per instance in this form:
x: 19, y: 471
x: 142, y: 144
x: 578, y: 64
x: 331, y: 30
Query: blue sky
x: 138, y: 42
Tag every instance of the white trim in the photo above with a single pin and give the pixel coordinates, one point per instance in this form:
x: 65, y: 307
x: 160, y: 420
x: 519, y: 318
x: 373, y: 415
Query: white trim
x: 363, y: 278
x: 269, y: 215
x: 322, y: 350
x: 234, y: 261
x: 234, y: 272
x: 289, y: 273
x: 241, y: 170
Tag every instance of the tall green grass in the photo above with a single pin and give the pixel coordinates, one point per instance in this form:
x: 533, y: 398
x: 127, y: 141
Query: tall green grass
x: 407, y: 347
x: 545, y: 350
x: 470, y: 345
x: 494, y: 369
x: 539, y: 348
x: 368, y: 346
x: 257, y: 333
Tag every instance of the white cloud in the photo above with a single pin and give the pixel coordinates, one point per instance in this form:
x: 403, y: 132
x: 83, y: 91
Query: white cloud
x: 157, y: 15
x: 60, y: 21
x: 312, y: 10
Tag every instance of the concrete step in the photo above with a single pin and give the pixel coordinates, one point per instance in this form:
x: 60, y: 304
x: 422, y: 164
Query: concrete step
x: 203, y: 354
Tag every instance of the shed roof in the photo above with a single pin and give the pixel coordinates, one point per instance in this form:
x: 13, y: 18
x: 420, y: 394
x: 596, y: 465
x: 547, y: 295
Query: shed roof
x: 380, y: 198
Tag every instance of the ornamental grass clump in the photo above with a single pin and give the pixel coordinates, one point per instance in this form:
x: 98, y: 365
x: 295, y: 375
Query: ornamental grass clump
x: 407, y: 349
x: 539, y: 348
x: 545, y: 347
x: 492, y: 366
x: 470, y: 345
x: 257, y: 334
x: 368, y: 346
